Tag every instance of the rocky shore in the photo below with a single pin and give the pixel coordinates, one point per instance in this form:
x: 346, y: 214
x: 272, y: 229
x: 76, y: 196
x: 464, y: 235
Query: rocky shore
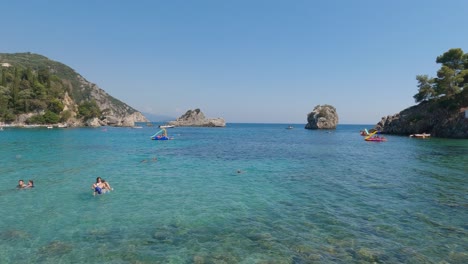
x: 441, y: 117
x: 118, y: 121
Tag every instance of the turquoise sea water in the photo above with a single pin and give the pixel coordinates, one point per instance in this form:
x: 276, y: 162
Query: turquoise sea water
x: 303, y: 196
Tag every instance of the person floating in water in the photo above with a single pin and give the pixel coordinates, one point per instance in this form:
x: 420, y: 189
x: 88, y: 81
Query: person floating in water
x: 97, y: 187
x: 106, y: 186
x: 154, y: 159
x: 101, y: 186
x: 30, y: 184
x: 21, y: 185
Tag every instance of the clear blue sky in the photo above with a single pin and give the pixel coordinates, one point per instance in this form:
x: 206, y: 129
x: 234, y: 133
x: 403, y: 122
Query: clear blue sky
x: 245, y: 60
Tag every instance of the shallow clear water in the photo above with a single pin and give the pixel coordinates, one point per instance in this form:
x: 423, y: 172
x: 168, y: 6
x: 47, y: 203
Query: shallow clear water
x: 303, y: 196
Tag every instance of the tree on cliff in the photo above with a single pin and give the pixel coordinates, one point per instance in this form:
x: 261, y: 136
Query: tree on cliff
x: 23, y: 90
x: 452, y: 77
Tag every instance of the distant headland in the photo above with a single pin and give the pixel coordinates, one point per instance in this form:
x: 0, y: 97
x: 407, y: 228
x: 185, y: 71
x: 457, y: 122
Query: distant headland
x: 443, y: 102
x: 37, y: 91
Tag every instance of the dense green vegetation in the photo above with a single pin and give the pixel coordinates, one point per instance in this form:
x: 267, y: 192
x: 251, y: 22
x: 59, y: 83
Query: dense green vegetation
x: 89, y: 110
x: 24, y: 90
x: 452, y: 77
x: 31, y: 83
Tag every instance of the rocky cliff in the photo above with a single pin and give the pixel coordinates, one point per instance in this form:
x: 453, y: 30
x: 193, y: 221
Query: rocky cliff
x: 322, y: 117
x: 115, y: 112
x: 441, y: 117
x: 197, y: 118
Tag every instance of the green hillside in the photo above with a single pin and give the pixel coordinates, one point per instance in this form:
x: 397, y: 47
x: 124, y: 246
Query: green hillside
x: 32, y: 83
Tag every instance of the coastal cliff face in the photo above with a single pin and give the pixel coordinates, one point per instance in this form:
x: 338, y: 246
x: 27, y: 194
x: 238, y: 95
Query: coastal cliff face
x: 197, y: 118
x: 322, y: 117
x: 115, y: 112
x: 441, y: 117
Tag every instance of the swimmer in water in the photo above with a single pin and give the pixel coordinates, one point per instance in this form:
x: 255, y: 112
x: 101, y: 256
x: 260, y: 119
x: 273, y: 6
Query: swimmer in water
x: 21, y: 185
x: 106, y: 186
x: 97, y: 187
x: 30, y: 184
x: 154, y: 159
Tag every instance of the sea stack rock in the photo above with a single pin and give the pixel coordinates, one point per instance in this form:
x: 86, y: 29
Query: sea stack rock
x: 322, y: 117
x: 196, y: 118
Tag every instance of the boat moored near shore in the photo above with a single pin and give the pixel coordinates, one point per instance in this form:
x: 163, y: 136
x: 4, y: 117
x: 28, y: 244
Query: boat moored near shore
x: 423, y: 135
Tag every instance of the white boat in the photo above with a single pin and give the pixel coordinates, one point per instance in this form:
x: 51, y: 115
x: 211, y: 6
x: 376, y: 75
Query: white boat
x: 166, y: 126
x: 290, y: 127
x: 423, y: 135
x: 50, y: 127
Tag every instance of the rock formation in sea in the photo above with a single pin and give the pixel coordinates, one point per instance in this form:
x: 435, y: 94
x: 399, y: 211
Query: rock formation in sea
x: 322, y: 117
x: 440, y: 117
x: 196, y: 118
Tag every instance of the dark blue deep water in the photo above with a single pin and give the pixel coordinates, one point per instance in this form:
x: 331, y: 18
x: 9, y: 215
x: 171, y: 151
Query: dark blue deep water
x: 302, y: 196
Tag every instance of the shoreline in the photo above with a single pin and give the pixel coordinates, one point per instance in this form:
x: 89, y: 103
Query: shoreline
x: 60, y: 125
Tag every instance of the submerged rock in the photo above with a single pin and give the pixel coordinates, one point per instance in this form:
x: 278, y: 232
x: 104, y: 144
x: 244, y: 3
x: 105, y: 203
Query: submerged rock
x: 198, y: 259
x: 56, y: 248
x: 322, y: 117
x: 368, y: 255
x: 14, y: 234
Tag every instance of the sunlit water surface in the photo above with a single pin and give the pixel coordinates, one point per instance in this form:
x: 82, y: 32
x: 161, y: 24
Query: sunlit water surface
x: 302, y: 196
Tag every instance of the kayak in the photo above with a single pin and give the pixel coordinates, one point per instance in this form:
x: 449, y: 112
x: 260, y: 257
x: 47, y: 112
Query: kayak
x: 373, y: 137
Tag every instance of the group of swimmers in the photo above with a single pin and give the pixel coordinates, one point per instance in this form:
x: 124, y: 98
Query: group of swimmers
x: 21, y: 184
x: 101, y: 186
